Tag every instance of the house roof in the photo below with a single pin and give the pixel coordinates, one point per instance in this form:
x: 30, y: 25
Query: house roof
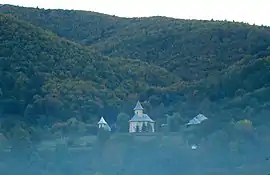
x: 102, y: 121
x: 197, y: 120
x: 143, y: 118
x: 138, y: 106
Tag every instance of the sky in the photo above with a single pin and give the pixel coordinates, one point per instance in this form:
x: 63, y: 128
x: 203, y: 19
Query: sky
x: 250, y: 11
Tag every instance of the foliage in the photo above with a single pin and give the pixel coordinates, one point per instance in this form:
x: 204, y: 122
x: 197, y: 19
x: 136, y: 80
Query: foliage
x: 61, y: 70
x: 122, y: 122
x: 174, y: 122
x: 58, y: 64
x: 193, y: 49
x: 149, y: 127
x: 244, y: 125
x: 103, y: 135
x: 244, y: 129
x: 35, y: 85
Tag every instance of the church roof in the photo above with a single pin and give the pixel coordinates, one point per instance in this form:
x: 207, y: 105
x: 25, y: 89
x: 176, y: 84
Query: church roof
x: 138, y: 106
x: 107, y: 127
x: 143, y: 118
x: 105, y: 124
x: 102, y: 121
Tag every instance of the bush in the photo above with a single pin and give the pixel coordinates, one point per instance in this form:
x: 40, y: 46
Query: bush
x: 244, y: 125
x: 103, y: 135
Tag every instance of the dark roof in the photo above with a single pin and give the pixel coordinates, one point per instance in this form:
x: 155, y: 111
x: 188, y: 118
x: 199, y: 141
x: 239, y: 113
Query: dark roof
x: 143, y: 118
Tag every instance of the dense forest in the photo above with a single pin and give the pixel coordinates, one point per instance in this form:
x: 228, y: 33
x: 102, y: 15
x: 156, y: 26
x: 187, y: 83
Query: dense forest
x: 58, y: 64
x: 190, y: 48
x: 61, y: 70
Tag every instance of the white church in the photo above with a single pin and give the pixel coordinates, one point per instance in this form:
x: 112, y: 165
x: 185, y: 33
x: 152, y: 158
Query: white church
x: 136, y: 123
x: 139, y: 119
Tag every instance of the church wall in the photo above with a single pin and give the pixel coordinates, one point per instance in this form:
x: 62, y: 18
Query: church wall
x: 132, y: 126
x: 153, y: 127
x: 139, y: 113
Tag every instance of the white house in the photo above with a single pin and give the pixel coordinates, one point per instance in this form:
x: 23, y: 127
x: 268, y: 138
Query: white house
x: 139, y: 119
x: 103, y: 124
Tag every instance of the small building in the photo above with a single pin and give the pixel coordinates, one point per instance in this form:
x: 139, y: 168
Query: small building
x: 139, y: 120
x: 197, y: 120
x: 103, y: 124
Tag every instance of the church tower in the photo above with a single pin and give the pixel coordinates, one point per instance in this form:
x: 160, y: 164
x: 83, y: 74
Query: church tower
x: 138, y: 110
x: 139, y: 120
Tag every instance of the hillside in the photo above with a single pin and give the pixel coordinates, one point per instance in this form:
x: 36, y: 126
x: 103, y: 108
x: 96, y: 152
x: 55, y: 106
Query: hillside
x: 191, y: 49
x: 216, y: 67
x: 80, y: 26
x: 61, y: 70
x: 43, y: 75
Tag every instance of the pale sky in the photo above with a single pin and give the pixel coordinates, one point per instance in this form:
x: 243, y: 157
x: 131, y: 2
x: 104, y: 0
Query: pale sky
x: 251, y: 11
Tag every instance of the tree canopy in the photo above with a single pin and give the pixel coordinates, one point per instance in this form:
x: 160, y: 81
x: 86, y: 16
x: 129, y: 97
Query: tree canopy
x: 56, y: 64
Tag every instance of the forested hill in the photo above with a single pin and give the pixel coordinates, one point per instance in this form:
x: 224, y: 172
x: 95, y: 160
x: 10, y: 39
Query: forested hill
x: 79, y: 26
x: 61, y: 70
x: 190, y: 48
x: 44, y: 75
x: 90, y: 64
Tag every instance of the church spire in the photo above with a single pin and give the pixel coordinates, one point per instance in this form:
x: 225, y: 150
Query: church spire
x: 138, y: 106
x: 138, y: 110
x: 102, y: 121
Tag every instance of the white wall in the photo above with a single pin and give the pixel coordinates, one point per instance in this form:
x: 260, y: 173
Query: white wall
x: 132, y: 126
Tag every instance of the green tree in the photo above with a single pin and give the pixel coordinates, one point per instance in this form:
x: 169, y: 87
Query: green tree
x: 149, y: 127
x: 122, y: 122
x: 174, y: 122
x: 29, y: 114
x: 19, y: 137
x: 219, y: 65
x: 103, y: 135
